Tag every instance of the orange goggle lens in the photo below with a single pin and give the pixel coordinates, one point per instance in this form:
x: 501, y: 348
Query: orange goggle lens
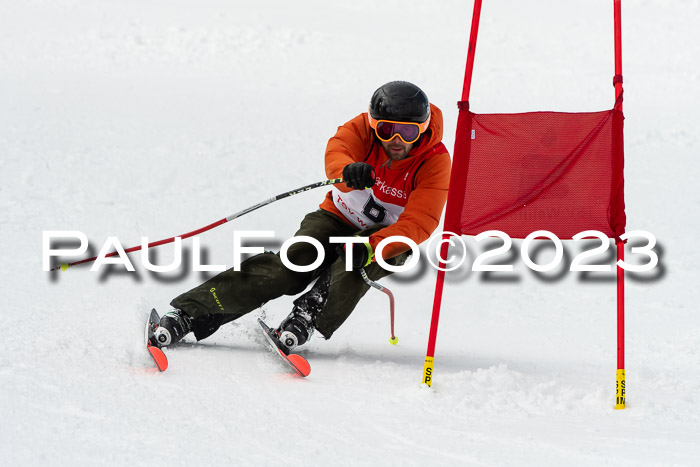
x: 386, y: 130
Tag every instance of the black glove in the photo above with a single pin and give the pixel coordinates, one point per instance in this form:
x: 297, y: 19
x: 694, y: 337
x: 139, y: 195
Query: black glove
x: 358, y: 175
x: 362, y: 254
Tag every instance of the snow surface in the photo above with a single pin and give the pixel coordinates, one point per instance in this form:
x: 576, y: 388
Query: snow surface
x: 133, y: 119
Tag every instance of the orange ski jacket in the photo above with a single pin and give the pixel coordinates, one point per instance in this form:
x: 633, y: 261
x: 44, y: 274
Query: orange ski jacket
x: 408, y: 195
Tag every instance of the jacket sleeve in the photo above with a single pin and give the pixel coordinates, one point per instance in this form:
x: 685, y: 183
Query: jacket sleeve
x: 351, y: 143
x: 423, y: 210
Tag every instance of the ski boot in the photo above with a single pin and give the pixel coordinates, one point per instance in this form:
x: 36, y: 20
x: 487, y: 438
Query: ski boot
x: 173, y: 326
x: 295, y: 330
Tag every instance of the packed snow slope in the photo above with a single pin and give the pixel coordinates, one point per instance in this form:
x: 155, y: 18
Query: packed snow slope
x: 133, y: 119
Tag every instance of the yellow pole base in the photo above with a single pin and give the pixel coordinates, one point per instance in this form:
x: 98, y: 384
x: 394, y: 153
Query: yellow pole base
x: 620, y: 390
x: 428, y: 371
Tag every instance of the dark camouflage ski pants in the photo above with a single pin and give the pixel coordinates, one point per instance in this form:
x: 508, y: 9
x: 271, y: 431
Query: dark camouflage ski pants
x: 263, y: 277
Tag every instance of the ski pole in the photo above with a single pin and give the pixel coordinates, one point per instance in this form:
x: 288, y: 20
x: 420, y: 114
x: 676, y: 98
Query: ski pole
x: 333, y: 181
x: 381, y: 288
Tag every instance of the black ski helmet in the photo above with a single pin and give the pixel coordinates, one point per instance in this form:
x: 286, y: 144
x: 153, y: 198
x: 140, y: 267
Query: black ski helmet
x: 400, y: 101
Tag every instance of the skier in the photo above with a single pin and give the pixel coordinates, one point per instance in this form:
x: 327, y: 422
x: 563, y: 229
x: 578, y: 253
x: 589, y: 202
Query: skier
x: 396, y: 174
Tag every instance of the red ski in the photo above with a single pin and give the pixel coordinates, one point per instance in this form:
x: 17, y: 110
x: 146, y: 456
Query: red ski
x: 296, y: 362
x: 158, y: 356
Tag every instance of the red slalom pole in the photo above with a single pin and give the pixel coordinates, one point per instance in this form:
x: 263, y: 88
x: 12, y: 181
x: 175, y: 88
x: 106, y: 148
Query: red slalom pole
x: 455, y: 191
x: 466, y: 88
x: 437, y: 303
x: 287, y: 194
x: 620, y: 373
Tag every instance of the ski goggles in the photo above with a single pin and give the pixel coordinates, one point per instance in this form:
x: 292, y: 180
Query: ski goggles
x: 409, y: 132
